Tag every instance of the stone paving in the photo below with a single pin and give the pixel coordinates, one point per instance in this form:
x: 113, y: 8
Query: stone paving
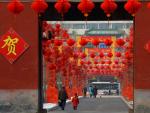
x: 92, y: 105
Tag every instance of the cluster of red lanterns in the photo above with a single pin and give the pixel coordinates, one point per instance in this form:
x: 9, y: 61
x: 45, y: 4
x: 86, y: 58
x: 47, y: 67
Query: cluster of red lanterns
x: 85, y: 6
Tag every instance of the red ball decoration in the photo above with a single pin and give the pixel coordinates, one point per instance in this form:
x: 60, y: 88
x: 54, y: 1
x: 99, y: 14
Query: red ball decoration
x: 83, y: 42
x: 95, y: 62
x: 109, y: 62
x: 81, y: 62
x: 92, y: 55
x: 120, y: 42
x: 88, y: 62
x: 39, y: 6
x: 132, y: 6
x: 15, y: 7
x: 95, y: 42
x: 118, y: 54
x: 70, y: 42
x: 57, y: 42
x: 62, y: 6
x: 108, y: 42
x: 128, y: 55
x: 101, y: 55
x: 147, y: 46
x: 109, y: 6
x: 148, y: 5
x: 83, y: 55
x: 116, y: 61
x: 86, y: 6
x: 102, y: 62
x: 110, y: 54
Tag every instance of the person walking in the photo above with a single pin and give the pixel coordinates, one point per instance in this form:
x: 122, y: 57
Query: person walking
x: 84, y: 91
x: 95, y: 91
x: 75, y: 101
x: 62, y: 97
x: 91, y: 91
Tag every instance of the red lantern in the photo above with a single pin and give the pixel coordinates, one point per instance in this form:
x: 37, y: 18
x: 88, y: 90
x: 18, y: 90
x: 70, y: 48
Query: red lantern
x: 148, y: 5
x: 70, y: 42
x: 52, y: 66
x: 109, y: 62
x: 95, y: 62
x: 92, y: 55
x: 83, y: 42
x: 39, y: 6
x: 83, y: 55
x: 120, y: 42
x: 110, y: 54
x: 15, y: 7
x: 88, y: 62
x: 62, y: 6
x: 132, y: 6
x: 95, y: 42
x: 102, y: 62
x: 147, y: 46
x: 81, y: 62
x: 108, y: 42
x: 116, y: 61
x: 101, y: 55
x: 57, y: 42
x: 109, y: 6
x: 128, y: 55
x: 118, y: 54
x: 86, y: 6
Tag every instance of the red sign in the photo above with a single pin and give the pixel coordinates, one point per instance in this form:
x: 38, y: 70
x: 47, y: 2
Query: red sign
x: 12, y: 46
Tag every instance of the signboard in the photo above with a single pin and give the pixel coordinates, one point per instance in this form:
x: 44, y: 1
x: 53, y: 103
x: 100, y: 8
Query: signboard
x: 12, y: 46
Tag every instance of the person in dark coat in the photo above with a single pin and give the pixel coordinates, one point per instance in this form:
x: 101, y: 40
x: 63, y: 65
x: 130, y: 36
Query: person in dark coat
x: 84, y: 91
x: 95, y: 91
x: 63, y: 96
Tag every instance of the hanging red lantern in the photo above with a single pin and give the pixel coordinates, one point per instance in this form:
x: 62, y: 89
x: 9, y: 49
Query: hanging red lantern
x: 70, y: 42
x: 116, y: 61
x: 148, y: 5
x: 81, y: 62
x: 101, y: 55
x: 110, y: 54
x: 118, y: 54
x: 109, y: 6
x: 109, y: 62
x: 147, y: 46
x: 58, y: 42
x: 128, y: 55
x: 95, y: 62
x: 92, y: 55
x: 124, y: 61
x: 86, y: 6
x: 39, y: 6
x: 62, y: 6
x: 88, y: 62
x: 15, y: 7
x: 120, y: 42
x: 83, y: 42
x: 108, y: 42
x: 95, y: 42
x: 132, y: 6
x: 102, y: 62
x: 83, y: 55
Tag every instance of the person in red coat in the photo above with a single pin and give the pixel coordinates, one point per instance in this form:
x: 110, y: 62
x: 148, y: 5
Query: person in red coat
x: 75, y: 101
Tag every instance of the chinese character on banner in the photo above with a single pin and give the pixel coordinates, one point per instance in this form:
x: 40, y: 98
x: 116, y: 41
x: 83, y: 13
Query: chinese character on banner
x: 12, y: 45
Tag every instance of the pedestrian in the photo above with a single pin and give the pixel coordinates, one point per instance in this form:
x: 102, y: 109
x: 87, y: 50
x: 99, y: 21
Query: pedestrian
x: 62, y: 97
x: 84, y: 91
x: 75, y: 101
x: 91, y: 91
x: 95, y: 91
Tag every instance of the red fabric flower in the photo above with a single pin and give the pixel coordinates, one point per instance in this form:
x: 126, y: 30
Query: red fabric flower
x: 15, y: 7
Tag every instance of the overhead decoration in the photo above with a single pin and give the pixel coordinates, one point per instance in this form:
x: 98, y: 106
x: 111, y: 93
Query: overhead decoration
x: 132, y: 6
x: 95, y: 42
x: 148, y: 5
x: 118, y: 54
x: 83, y: 42
x: 58, y: 42
x: 62, y: 6
x: 39, y: 6
x: 70, y: 42
x: 120, y: 42
x: 109, y: 54
x: 109, y: 6
x: 101, y: 55
x: 83, y: 55
x: 147, y: 46
x: 15, y: 7
x: 86, y: 7
x: 92, y: 55
x: 108, y: 42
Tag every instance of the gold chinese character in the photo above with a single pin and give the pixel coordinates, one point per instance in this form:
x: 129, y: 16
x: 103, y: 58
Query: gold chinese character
x: 11, y: 43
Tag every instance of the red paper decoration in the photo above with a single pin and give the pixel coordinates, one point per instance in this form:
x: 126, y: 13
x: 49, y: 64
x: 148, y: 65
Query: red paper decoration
x: 39, y: 6
x: 132, y: 6
x: 86, y: 6
x: 109, y: 6
x: 57, y: 42
x: 110, y: 54
x: 92, y: 55
x: 118, y: 54
x: 83, y: 42
x: 95, y: 42
x: 120, y: 42
x: 108, y: 42
x: 15, y: 7
x: 62, y: 6
x: 101, y: 55
x: 70, y: 42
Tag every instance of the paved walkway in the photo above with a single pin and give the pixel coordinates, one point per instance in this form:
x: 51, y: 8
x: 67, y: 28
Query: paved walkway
x: 91, y: 105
